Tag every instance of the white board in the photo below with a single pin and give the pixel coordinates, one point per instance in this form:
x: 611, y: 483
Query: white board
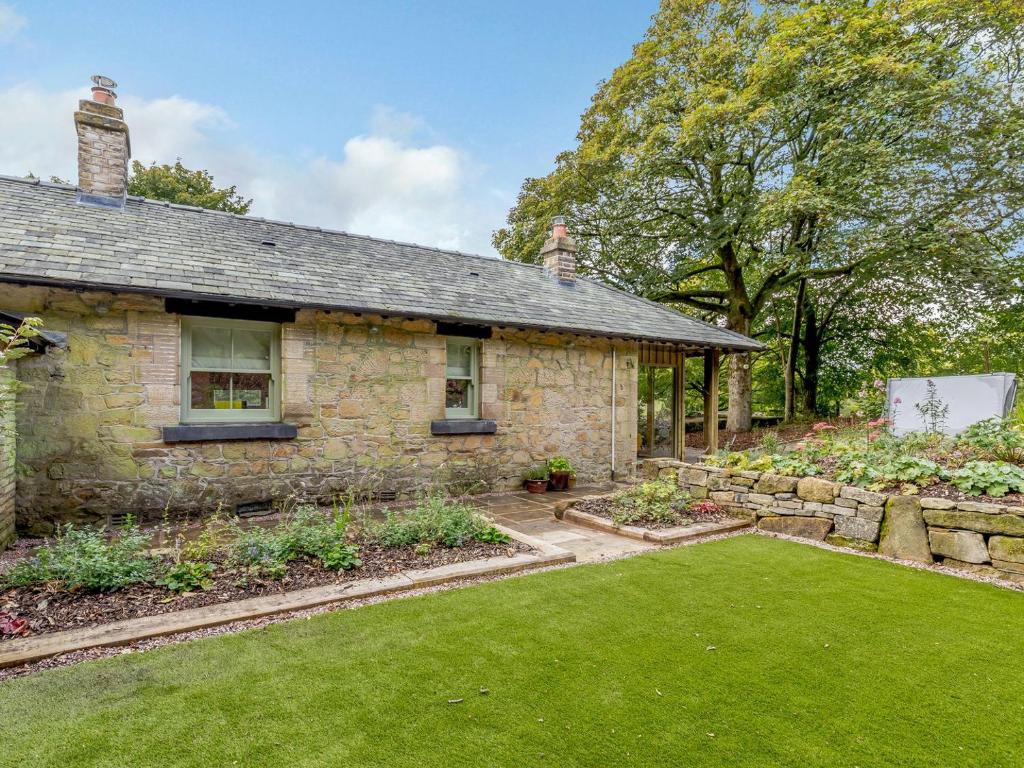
x: 970, y: 399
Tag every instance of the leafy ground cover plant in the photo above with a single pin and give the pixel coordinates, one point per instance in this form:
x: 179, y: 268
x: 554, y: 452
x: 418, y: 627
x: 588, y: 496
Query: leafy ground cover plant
x: 995, y: 478
x: 655, y: 501
x: 995, y: 440
x: 88, y: 560
x: 435, y: 520
x: 307, y: 533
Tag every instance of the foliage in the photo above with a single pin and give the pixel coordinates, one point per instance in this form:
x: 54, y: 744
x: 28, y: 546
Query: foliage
x: 745, y: 149
x: 653, y: 501
x: 995, y: 478
x: 188, y: 576
x: 539, y: 472
x: 87, y: 559
x: 307, y: 534
x: 794, y: 464
x: 14, y: 339
x: 705, y: 509
x: 434, y: 520
x: 560, y: 464
x: 178, y: 184
x: 996, y: 440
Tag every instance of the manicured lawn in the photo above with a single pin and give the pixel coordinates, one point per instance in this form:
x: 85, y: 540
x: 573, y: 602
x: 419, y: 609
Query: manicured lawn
x: 819, y: 659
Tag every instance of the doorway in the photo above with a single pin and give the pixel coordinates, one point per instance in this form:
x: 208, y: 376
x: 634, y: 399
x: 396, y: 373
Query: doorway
x: 656, y: 411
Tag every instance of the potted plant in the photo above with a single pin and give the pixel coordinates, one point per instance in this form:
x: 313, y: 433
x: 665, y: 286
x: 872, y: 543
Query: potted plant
x: 560, y: 471
x: 537, y: 480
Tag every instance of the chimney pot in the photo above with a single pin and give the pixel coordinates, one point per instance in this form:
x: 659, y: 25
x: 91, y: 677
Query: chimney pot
x: 558, y: 228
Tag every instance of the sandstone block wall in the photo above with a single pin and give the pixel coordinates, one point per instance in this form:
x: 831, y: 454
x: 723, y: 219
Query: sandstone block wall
x: 8, y: 463
x: 986, y: 538
x: 361, y: 389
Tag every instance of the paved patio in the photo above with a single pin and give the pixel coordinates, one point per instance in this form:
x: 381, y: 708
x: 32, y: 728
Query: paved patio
x: 534, y: 515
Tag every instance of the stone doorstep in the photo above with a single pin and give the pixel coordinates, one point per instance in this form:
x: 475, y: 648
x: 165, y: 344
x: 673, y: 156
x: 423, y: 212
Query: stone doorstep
x: 29, y: 649
x: 663, y: 536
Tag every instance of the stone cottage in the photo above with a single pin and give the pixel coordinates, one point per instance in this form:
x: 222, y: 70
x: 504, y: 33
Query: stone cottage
x: 209, y: 359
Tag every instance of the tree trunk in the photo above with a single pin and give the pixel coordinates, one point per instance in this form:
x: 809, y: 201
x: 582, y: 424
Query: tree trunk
x: 740, y: 383
x: 812, y: 358
x: 789, y: 410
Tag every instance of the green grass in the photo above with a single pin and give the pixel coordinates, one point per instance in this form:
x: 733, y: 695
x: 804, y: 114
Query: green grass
x: 820, y: 659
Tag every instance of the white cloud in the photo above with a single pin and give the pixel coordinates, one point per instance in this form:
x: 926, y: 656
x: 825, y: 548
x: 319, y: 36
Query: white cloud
x: 383, y: 183
x: 11, y: 23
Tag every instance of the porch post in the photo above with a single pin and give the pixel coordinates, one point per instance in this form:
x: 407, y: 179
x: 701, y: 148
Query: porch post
x: 710, y: 400
x: 679, y: 407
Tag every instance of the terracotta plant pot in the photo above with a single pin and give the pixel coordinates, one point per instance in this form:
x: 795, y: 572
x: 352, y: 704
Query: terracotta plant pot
x: 572, y: 482
x: 537, y: 486
x: 559, y: 481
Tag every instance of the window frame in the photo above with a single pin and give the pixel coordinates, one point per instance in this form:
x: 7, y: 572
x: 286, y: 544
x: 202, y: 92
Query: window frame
x: 190, y: 415
x: 473, y: 412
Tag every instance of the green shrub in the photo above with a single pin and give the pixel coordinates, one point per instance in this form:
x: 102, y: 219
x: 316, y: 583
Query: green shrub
x: 86, y: 559
x: 794, y: 464
x: 188, y: 576
x: 654, y: 501
x: 995, y: 440
x: 995, y: 478
x: 538, y: 473
x: 435, y: 520
x: 560, y: 464
x: 307, y: 534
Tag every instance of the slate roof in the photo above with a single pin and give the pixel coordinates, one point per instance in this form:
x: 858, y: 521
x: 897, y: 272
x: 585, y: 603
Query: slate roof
x: 47, y: 237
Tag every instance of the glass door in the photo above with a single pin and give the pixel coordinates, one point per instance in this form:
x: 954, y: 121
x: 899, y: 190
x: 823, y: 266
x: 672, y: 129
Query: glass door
x: 656, y: 423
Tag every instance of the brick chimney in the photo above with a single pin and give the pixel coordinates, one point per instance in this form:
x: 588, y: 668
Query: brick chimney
x: 103, y: 146
x: 559, y: 252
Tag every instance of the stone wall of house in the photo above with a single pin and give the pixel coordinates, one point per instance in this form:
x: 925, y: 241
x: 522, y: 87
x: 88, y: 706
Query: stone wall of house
x: 362, y: 390
x: 8, y: 463
x: 971, y: 535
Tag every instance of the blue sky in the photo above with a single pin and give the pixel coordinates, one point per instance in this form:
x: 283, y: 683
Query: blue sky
x: 414, y: 120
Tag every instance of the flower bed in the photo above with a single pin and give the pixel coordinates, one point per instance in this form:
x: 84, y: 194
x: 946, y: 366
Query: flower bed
x: 986, y: 462
x: 653, y: 505
x: 85, y: 578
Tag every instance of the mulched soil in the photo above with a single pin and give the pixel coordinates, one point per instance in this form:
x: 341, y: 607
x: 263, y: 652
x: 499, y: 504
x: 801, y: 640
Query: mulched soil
x: 604, y: 506
x: 52, y: 610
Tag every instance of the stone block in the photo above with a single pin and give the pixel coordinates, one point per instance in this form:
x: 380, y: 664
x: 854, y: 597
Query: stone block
x: 815, y: 528
x: 856, y: 528
x: 744, y: 483
x: 904, y: 534
x: 845, y: 541
x: 835, y: 509
x: 816, y: 489
x: 1008, y: 565
x: 723, y: 497
x: 871, y: 513
x: 812, y: 507
x: 785, y: 496
x: 760, y: 498
x: 1006, y: 548
x: 864, y: 497
x: 717, y: 483
x: 981, y: 522
x: 691, y: 476
x: 933, y: 502
x: 794, y: 505
x: 842, y: 502
x: 977, y: 506
x: 966, y: 546
x: 698, y: 492
x: 770, y: 483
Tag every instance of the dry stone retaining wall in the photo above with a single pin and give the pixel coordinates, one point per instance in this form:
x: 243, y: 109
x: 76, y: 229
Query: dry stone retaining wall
x: 8, y: 463
x: 982, y: 537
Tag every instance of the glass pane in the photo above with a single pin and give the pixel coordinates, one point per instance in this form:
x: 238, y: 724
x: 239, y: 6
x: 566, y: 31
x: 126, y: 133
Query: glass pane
x: 211, y: 347
x: 252, y: 350
x: 251, y: 390
x: 225, y: 391
x: 656, y: 414
x: 457, y: 394
x: 460, y: 358
x: 211, y: 390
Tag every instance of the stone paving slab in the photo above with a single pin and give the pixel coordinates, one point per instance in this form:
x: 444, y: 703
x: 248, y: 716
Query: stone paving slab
x: 661, y: 536
x: 28, y: 649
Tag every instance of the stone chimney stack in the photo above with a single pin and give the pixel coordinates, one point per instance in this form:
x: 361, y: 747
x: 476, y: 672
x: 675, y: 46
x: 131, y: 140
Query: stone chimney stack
x: 559, y: 252
x: 103, y: 146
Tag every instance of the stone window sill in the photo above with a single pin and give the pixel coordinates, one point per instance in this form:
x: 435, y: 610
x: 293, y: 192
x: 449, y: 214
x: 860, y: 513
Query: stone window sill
x: 463, y: 427
x: 195, y: 433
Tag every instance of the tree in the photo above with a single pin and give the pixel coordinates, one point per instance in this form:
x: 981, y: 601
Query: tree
x: 178, y: 184
x: 747, y: 149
